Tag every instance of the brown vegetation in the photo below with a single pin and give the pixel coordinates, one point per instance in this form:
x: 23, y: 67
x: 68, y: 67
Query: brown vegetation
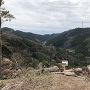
x: 47, y: 81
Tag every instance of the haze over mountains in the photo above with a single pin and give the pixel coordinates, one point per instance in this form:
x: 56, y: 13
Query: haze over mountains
x: 30, y: 35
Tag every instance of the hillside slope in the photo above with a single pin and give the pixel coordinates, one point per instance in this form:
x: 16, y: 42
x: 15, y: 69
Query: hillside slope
x: 75, y: 39
x: 25, y: 52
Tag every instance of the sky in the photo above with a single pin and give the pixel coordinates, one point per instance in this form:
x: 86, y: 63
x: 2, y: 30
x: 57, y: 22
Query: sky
x: 48, y: 16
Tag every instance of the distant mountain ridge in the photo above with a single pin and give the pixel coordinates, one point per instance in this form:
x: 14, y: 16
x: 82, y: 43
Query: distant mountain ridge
x: 29, y: 35
x: 74, y: 39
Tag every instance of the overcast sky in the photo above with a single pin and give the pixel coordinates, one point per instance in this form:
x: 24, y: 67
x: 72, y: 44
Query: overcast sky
x: 48, y: 16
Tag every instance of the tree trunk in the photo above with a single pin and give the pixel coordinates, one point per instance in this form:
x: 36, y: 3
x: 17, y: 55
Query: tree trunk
x: 0, y: 46
x: 0, y: 38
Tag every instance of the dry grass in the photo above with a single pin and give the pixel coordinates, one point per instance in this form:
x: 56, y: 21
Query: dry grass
x: 48, y: 81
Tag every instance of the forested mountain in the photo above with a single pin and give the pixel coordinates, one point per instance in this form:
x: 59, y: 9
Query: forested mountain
x: 25, y: 51
x: 75, y: 39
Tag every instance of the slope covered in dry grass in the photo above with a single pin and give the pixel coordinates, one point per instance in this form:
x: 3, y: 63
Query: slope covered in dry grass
x: 46, y: 81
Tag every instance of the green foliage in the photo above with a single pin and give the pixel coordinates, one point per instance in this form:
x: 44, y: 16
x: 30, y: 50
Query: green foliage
x: 40, y: 56
x: 5, y: 14
x: 58, y: 41
x: 88, y: 42
x: 33, y: 52
x: 62, y: 38
x: 76, y: 39
x: 6, y: 51
x: 81, y: 44
x: 53, y: 62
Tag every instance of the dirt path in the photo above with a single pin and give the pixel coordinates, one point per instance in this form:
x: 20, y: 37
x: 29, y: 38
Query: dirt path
x: 47, y: 82
x: 71, y: 83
